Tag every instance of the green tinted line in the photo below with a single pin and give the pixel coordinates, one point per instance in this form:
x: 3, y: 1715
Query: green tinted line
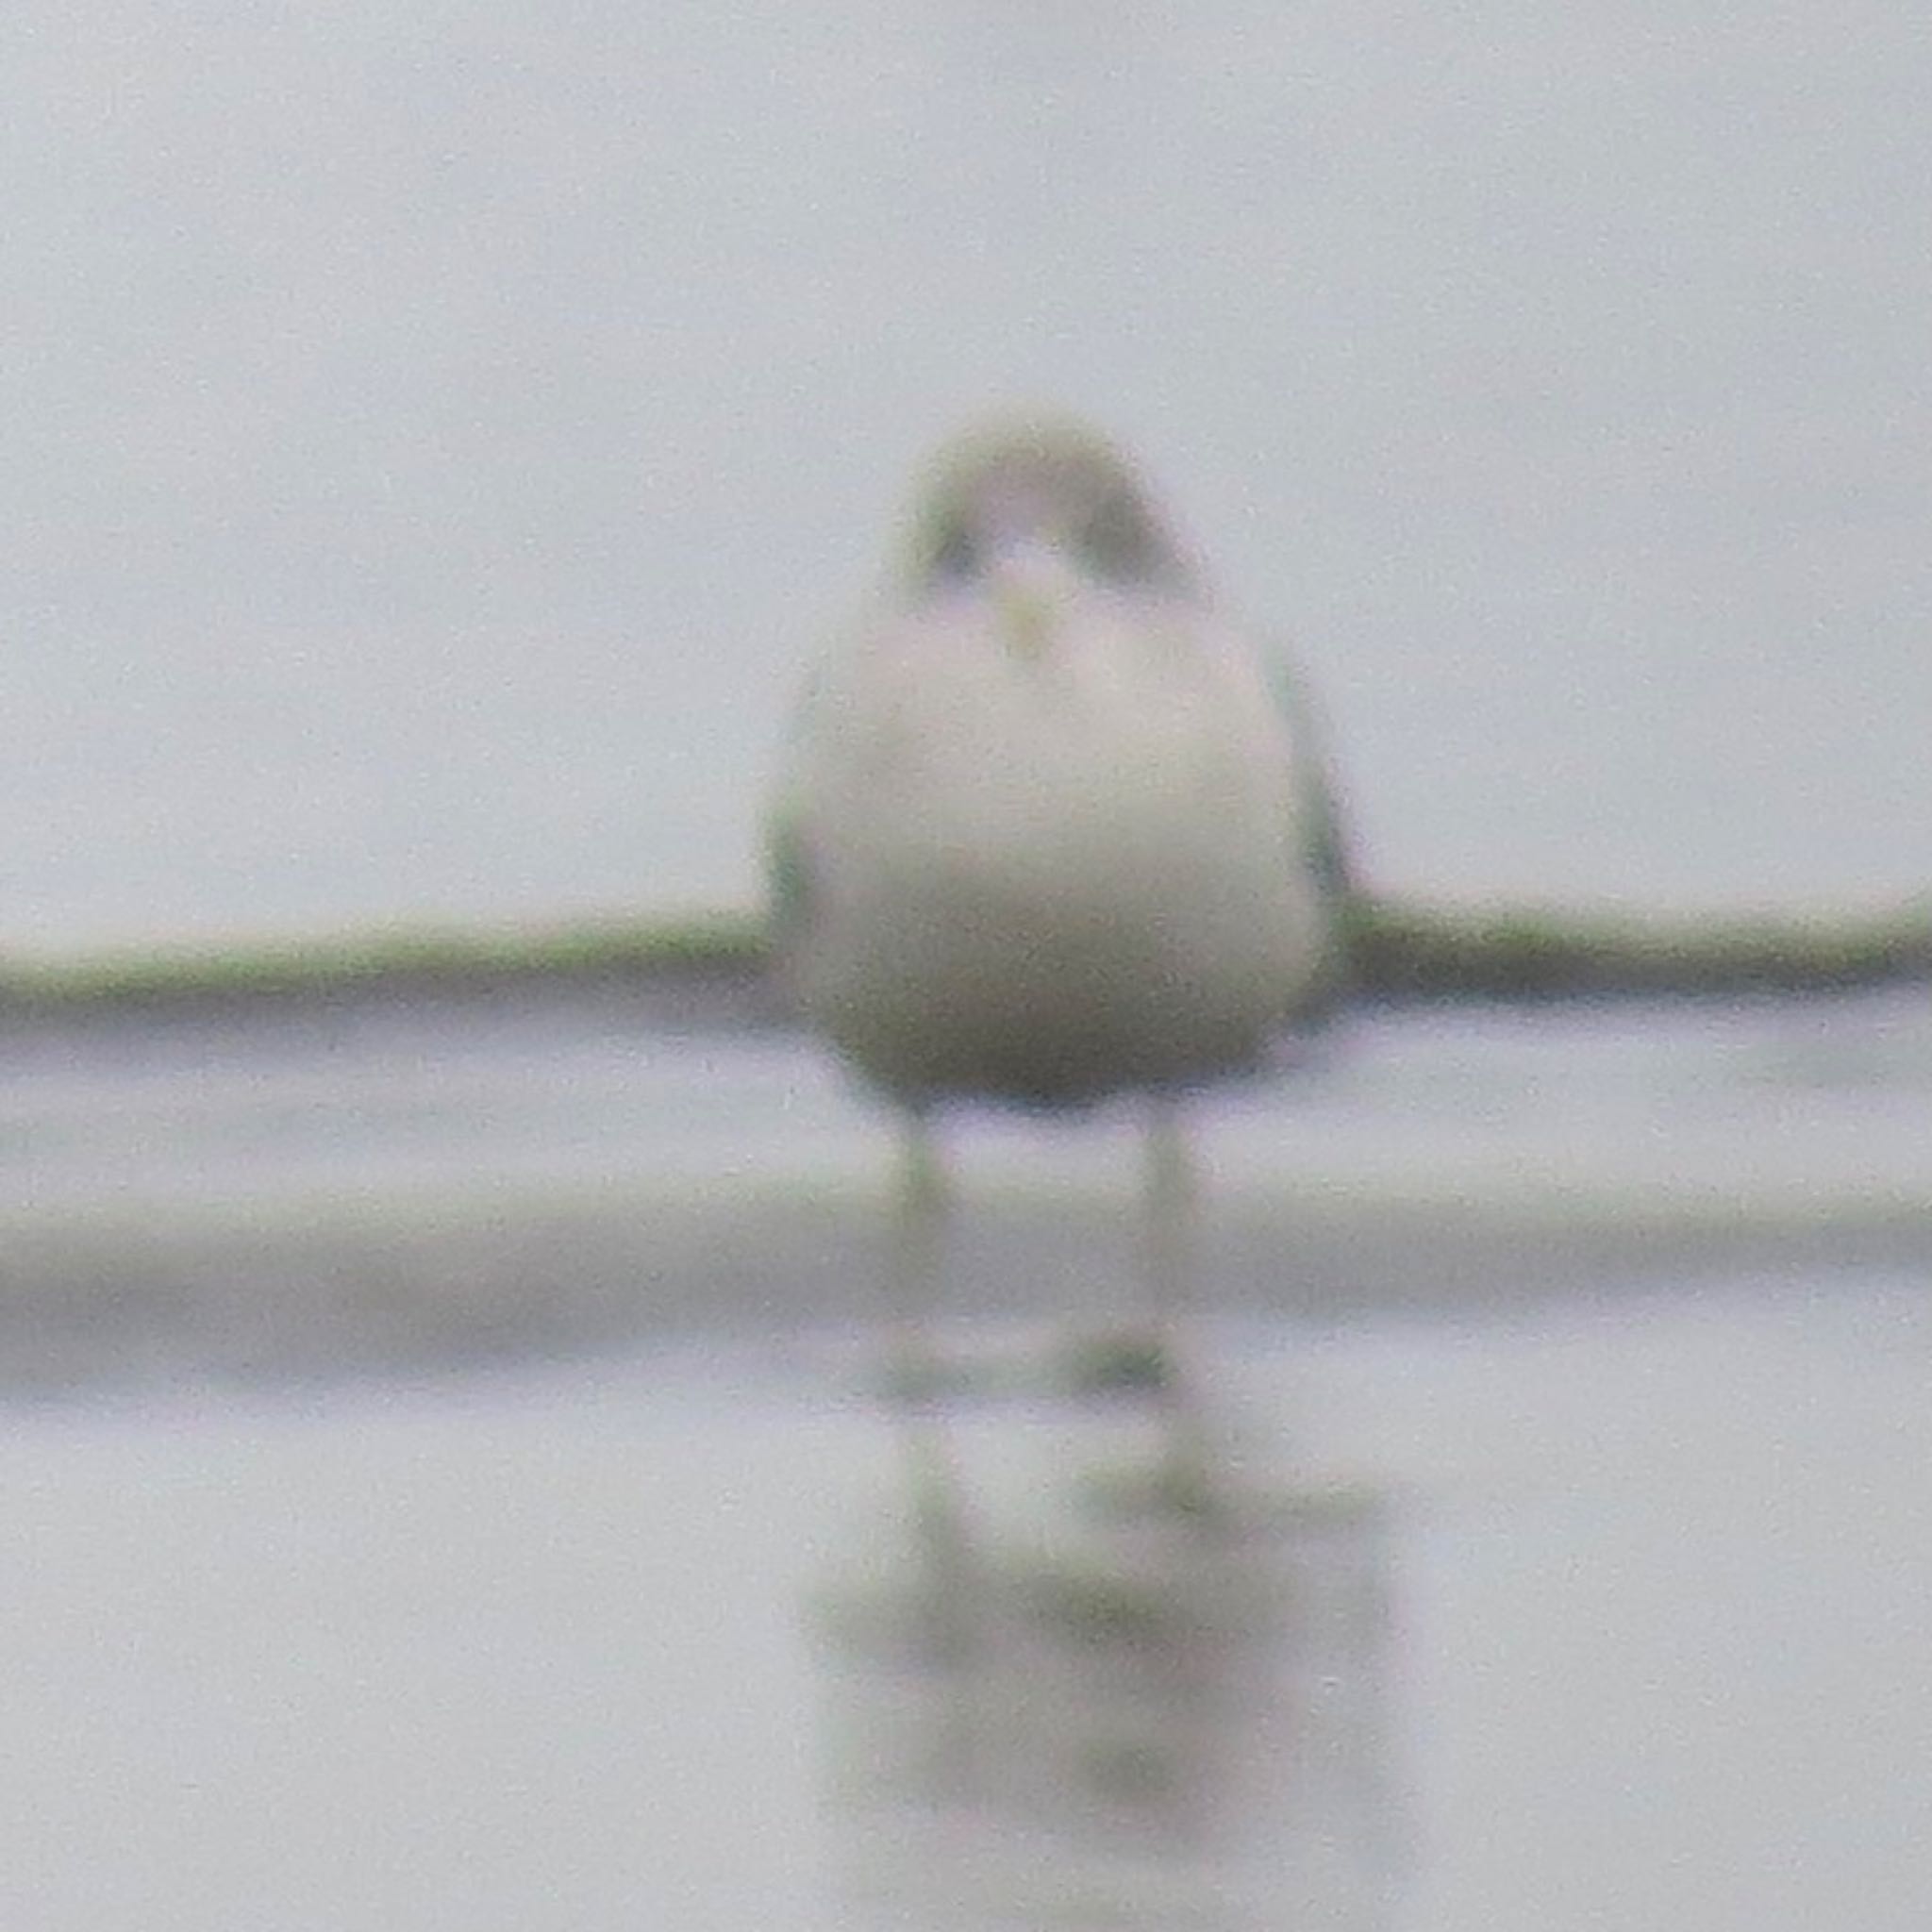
x: 1518, y: 954
x: 645, y: 949
x: 1400, y: 952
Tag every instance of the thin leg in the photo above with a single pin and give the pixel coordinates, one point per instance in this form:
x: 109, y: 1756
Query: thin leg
x: 939, y: 1501
x: 1170, y: 1256
x: 918, y: 1234
x: 1168, y: 1205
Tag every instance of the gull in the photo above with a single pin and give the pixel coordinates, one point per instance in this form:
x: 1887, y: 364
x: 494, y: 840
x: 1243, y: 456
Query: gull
x: 1050, y: 827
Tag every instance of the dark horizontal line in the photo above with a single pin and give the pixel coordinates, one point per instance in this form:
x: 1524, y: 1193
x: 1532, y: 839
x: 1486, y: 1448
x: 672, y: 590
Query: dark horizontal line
x: 713, y: 973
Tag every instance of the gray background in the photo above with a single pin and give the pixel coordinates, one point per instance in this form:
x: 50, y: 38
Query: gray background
x: 437, y: 436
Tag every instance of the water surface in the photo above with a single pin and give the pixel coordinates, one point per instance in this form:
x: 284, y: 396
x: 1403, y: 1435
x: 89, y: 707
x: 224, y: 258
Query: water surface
x: 452, y: 1484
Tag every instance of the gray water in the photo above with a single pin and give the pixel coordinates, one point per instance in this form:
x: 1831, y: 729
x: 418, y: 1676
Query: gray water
x: 436, y: 440
x: 449, y: 1477
x: 452, y: 1481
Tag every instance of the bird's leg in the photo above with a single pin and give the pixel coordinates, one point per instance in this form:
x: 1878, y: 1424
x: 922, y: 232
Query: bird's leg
x: 1168, y: 1203
x: 917, y: 1384
x: 917, y: 1231
x: 1169, y: 1256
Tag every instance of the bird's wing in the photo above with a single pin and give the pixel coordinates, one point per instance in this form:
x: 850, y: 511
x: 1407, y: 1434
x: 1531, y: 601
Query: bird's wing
x: 1324, y: 833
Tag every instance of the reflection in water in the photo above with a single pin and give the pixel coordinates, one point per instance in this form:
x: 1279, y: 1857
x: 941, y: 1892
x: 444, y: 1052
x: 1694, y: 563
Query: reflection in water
x: 1098, y: 1665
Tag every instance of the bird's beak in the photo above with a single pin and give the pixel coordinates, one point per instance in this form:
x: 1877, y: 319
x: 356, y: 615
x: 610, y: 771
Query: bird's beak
x: 1025, y: 593
x: 1025, y: 619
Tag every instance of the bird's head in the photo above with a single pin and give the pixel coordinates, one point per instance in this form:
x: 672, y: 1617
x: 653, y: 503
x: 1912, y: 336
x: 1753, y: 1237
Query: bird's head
x: 1032, y: 510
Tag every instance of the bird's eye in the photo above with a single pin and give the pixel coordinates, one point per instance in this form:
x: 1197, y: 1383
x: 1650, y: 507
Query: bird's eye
x: 1119, y: 542
x: 955, y: 554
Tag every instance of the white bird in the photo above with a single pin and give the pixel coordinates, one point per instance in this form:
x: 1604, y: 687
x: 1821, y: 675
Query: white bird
x: 1048, y: 828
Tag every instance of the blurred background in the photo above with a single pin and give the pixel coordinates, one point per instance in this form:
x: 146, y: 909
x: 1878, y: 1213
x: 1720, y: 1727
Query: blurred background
x: 448, y: 1479
x: 438, y: 439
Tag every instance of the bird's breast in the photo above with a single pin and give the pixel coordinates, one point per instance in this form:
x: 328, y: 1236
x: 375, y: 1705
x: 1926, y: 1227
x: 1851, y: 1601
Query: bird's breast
x: 1051, y: 874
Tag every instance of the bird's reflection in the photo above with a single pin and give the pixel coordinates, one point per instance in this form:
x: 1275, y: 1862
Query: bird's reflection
x: 1101, y: 1662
